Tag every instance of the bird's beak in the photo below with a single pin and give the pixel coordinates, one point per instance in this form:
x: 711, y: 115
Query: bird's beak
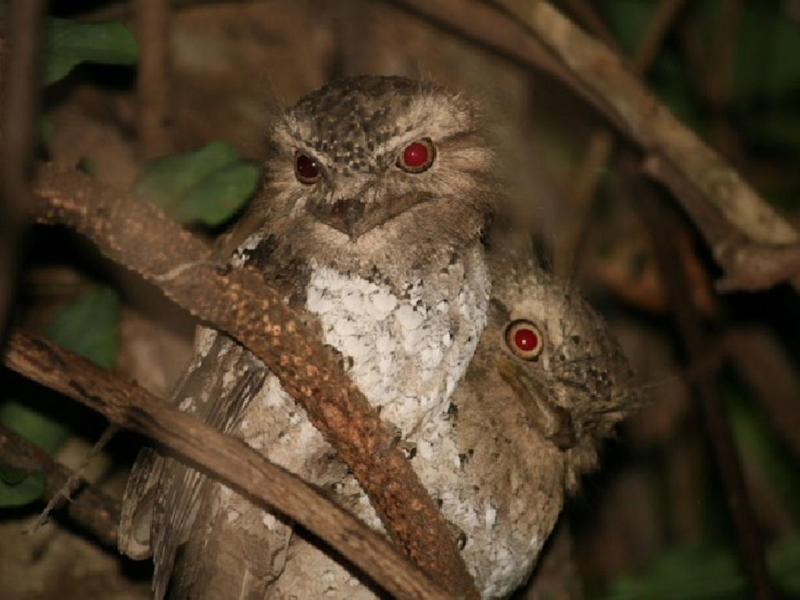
x: 354, y: 217
x: 345, y: 215
x: 551, y: 420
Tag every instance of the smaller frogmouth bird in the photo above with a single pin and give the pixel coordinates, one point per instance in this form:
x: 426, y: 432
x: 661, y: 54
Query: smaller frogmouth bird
x: 546, y: 385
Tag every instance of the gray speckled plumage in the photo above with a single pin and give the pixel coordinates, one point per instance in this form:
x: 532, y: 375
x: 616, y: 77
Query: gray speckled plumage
x: 497, y: 459
x: 400, y: 288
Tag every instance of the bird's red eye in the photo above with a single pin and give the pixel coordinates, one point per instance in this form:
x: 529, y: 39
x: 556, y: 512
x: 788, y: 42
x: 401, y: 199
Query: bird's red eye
x: 306, y: 169
x: 417, y: 156
x: 524, y: 339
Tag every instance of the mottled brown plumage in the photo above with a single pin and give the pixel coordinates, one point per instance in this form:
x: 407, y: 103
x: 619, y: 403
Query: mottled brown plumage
x: 514, y: 442
x: 390, y: 261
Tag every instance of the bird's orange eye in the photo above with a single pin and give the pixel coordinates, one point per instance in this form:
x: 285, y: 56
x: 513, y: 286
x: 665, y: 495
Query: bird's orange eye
x: 417, y: 156
x: 524, y: 339
x: 306, y: 169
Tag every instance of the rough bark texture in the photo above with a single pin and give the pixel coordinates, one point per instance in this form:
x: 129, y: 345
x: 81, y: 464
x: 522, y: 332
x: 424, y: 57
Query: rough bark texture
x: 238, y: 301
x: 226, y: 458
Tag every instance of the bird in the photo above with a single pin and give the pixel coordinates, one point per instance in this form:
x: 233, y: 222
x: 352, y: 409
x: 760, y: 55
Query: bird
x: 377, y: 193
x: 547, y: 383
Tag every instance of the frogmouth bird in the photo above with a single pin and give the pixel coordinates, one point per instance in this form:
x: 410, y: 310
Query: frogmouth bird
x: 377, y: 191
x: 546, y: 385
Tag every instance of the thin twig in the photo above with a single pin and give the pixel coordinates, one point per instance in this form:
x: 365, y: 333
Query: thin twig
x: 748, y: 265
x: 74, y: 482
x: 20, y: 83
x: 88, y: 507
x: 153, y: 81
x: 239, y: 302
x: 223, y: 457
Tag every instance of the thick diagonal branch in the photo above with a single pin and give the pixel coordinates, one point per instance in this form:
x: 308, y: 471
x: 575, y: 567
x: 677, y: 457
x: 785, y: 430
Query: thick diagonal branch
x: 140, y: 237
x: 223, y: 457
x: 620, y: 95
x: 536, y: 35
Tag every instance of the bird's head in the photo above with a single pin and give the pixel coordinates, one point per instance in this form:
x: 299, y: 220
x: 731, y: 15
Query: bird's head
x: 559, y: 361
x: 362, y: 151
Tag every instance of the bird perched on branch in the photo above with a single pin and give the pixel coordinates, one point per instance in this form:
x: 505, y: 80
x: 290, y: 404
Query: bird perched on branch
x: 376, y: 195
x: 546, y: 385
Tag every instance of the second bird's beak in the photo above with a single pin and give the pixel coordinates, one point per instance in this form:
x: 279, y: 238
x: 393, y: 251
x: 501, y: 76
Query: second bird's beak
x: 551, y: 420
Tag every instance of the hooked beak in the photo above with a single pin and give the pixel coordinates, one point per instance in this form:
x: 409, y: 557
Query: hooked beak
x: 552, y: 421
x: 354, y: 217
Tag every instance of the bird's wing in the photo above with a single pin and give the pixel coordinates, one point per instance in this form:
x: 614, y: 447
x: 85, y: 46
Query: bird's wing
x: 162, y: 495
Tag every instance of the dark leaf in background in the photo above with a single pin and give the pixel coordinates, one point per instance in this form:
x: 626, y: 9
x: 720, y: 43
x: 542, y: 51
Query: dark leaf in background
x: 89, y: 326
x: 703, y: 573
x: 18, y: 488
x: 70, y: 43
x: 206, y: 186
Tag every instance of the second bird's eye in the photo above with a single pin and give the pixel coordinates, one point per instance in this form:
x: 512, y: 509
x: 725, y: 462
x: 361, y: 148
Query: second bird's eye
x: 524, y: 339
x: 306, y: 169
x: 417, y: 156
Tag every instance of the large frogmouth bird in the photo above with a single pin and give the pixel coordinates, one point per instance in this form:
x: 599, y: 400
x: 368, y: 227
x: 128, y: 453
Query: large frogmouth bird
x: 377, y: 192
x: 547, y: 383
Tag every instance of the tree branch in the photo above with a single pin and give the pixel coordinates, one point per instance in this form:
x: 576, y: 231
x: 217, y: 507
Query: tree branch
x: 20, y: 98
x: 223, y: 457
x: 87, y: 506
x: 152, y: 81
x: 748, y: 265
x: 237, y: 301
x: 537, y: 36
x: 619, y: 94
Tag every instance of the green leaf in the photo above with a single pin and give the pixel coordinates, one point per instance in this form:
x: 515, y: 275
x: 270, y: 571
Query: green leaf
x: 89, y: 326
x: 18, y: 488
x: 69, y: 43
x: 206, y: 186
x: 33, y: 425
x: 216, y: 198
x: 692, y: 572
x: 784, y: 563
x: 687, y: 573
x: 757, y: 443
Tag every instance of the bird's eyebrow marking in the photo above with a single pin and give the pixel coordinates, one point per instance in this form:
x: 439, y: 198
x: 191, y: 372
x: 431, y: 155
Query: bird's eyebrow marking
x: 461, y: 137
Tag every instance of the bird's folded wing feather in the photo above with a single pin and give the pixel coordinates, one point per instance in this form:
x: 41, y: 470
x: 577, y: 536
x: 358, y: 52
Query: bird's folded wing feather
x: 162, y: 495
